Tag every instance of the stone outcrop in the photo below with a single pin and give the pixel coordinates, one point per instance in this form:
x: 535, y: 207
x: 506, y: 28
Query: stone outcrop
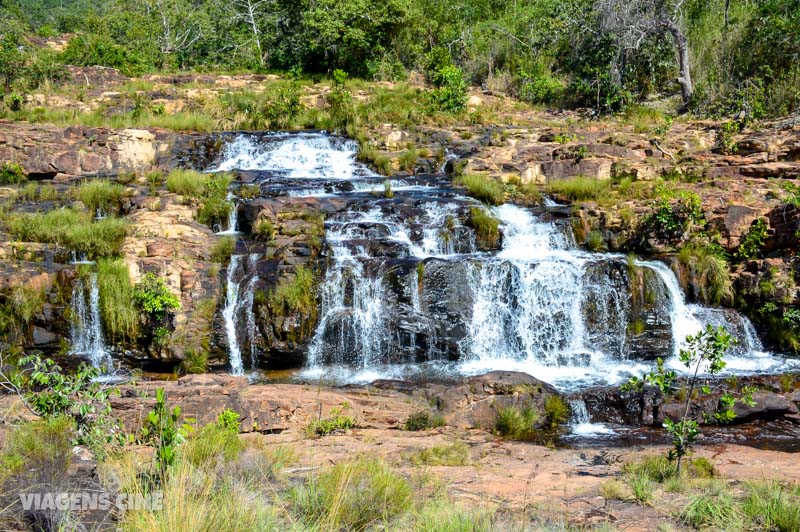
x: 50, y: 152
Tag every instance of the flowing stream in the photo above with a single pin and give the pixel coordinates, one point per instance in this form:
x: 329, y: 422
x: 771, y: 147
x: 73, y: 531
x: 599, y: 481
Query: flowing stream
x: 408, y: 291
x: 87, y: 328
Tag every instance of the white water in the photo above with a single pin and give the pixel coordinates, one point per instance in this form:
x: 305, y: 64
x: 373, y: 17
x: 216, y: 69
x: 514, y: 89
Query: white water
x: 233, y: 218
x: 539, y: 305
x: 229, y: 315
x: 581, y: 425
x: 87, y: 328
x: 294, y: 156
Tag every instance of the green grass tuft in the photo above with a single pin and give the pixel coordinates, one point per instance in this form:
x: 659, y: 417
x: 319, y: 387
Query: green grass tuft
x: 483, y: 188
x: 296, y: 294
x: 486, y: 226
x: 516, y: 424
x: 456, y: 454
x: 580, y: 188
x: 100, y: 195
x: 119, y: 314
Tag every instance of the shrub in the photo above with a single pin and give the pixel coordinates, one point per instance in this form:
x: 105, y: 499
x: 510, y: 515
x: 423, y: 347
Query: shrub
x: 163, y: 427
x: 422, y: 420
x: 541, y: 89
x: 674, y: 216
x: 450, y: 92
x: 335, y: 423
x: 214, y: 211
x: 153, y: 298
x: 486, y: 226
x: 753, y: 241
x: 654, y: 468
x: 12, y: 174
x: 93, y: 49
x: 579, y: 188
x: 595, y: 241
x: 283, y: 105
x: 483, y: 188
x: 517, y: 424
x: 296, y: 294
x: 353, y: 495
x: 456, y: 454
x: 223, y: 249
x: 387, y: 189
x: 117, y: 309
x: 100, y: 195
x: 556, y: 411
x: 189, y: 183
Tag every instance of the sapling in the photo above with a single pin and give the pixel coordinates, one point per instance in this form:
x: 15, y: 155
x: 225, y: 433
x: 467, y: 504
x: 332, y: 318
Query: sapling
x: 704, y: 354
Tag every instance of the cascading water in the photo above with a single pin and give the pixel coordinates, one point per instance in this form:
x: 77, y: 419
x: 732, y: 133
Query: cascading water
x: 87, y: 328
x: 580, y: 424
x: 228, y: 313
x: 408, y: 290
x: 237, y: 302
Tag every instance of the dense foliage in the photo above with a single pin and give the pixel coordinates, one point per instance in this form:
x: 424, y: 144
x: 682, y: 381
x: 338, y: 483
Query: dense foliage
x: 737, y: 57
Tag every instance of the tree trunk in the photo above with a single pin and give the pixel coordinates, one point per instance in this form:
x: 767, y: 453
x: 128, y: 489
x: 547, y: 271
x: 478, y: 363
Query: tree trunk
x: 685, y: 79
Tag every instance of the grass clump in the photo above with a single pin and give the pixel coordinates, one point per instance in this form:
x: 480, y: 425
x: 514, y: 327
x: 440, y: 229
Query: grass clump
x: 71, y: 229
x: 41, y: 450
x: 716, y: 509
x: 356, y: 495
x: 483, y: 188
x: 579, y: 188
x: 264, y: 229
x: 189, y: 183
x: 223, y: 249
x: 195, y: 361
x: 516, y: 424
x: 486, y: 226
x: 444, y: 516
x: 456, y: 454
x: 422, y: 420
x: 408, y: 160
x: 772, y: 506
x: 709, y: 272
x: 119, y: 314
x: 613, y: 490
x: 214, y: 443
x: 654, y: 468
x: 642, y: 488
x: 296, y: 294
x: 100, y: 196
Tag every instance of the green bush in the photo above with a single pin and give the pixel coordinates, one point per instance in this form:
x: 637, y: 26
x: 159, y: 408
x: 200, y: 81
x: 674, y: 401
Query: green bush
x: 654, y: 468
x: 541, y: 89
x: 486, y: 226
x: 154, y: 299
x: 516, y: 424
x: 450, y: 92
x: 357, y: 495
x: 336, y: 422
x: 94, y: 49
x: 753, y: 241
x: 422, y: 420
x: 100, y: 194
x: 295, y: 295
x: 117, y: 309
x: 264, y: 229
x: 12, y: 174
x: 383, y: 165
x: 580, y: 188
x: 556, y: 411
x: 195, y: 361
x: 483, y: 188
x: 223, y: 249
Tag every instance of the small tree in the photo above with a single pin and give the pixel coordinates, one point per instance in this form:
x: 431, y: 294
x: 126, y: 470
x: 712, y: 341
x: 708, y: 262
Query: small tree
x: 164, y: 429
x: 705, y: 351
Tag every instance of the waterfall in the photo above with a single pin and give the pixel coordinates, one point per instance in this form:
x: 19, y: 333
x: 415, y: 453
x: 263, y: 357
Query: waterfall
x: 87, y: 329
x: 229, y: 314
x: 233, y: 217
x: 236, y: 302
x: 580, y: 424
x: 407, y: 290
